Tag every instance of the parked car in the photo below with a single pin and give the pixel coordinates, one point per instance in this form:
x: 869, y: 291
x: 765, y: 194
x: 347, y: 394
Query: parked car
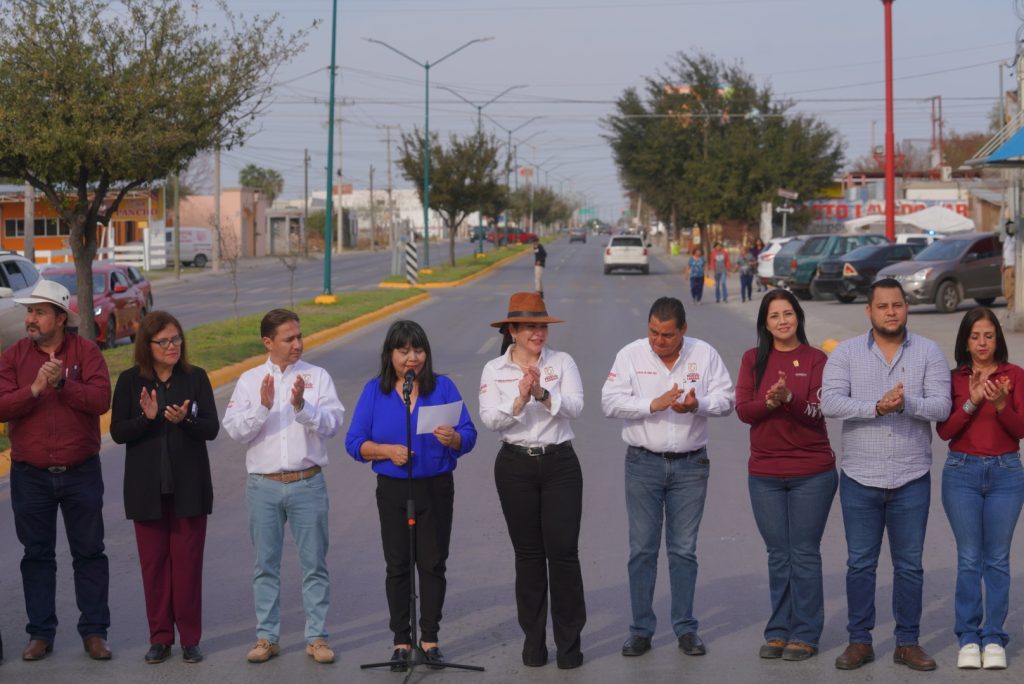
x: 577, y: 235
x: 766, y: 259
x: 626, y: 251
x: 852, y: 274
x: 923, y: 239
x: 196, y: 245
x: 946, y: 272
x: 511, y: 235
x: 117, y: 304
x: 478, y: 233
x: 139, y: 280
x: 18, y: 276
x: 797, y: 271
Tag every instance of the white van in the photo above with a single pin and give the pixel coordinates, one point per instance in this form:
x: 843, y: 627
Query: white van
x: 196, y: 246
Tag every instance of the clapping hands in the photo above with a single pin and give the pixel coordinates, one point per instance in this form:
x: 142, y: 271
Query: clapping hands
x: 891, y: 401
x: 778, y: 393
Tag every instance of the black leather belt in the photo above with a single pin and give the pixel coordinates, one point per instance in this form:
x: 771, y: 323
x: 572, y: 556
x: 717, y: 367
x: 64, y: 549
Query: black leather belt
x: 671, y: 455
x: 538, y: 450
x: 60, y: 470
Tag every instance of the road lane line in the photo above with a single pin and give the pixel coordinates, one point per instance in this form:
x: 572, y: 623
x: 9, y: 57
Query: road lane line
x: 485, y: 348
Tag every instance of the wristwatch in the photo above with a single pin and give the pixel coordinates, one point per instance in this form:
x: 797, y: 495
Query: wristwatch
x: 544, y: 397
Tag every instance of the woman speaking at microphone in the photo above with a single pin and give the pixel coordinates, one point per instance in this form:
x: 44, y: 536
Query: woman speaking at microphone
x: 528, y: 395
x: 378, y: 435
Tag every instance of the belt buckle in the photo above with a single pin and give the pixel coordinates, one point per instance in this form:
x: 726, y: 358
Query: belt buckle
x: 57, y: 470
x: 535, y: 451
x: 288, y: 478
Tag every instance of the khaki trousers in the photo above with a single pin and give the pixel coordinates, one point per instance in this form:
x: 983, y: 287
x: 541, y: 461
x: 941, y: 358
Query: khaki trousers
x: 1008, y: 286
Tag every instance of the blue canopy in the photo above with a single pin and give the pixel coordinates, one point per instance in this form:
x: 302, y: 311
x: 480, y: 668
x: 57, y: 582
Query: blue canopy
x: 1010, y: 153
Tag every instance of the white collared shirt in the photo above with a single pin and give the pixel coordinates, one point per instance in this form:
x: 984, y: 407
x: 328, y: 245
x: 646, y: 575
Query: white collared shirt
x: 536, y: 425
x: 282, y: 439
x: 639, y: 376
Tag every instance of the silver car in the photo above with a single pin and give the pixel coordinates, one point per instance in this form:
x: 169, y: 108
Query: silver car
x: 18, y: 276
x: 958, y: 267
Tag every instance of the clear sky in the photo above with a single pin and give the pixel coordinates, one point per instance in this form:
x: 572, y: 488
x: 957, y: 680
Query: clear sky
x: 575, y: 57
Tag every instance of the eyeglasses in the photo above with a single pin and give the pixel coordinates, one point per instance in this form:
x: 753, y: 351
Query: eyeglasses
x: 168, y: 342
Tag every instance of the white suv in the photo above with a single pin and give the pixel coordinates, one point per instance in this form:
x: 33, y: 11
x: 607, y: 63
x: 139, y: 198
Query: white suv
x: 18, y: 276
x: 626, y: 251
x: 766, y: 260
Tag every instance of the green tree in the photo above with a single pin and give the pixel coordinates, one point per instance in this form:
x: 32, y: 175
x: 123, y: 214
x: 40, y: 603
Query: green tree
x: 267, y: 181
x: 703, y: 143
x: 98, y: 97
x: 545, y: 205
x: 464, y: 176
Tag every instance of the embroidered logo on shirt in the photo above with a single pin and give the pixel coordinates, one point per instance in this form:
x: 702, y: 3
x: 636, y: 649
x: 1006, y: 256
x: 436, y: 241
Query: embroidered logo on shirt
x: 691, y: 368
x: 611, y: 375
x: 550, y: 375
x: 507, y: 380
x: 796, y: 363
x: 483, y: 389
x: 307, y: 380
x: 692, y: 377
x: 646, y: 372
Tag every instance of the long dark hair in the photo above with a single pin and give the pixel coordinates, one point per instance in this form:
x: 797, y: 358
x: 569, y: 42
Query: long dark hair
x: 406, y: 334
x: 978, y: 313
x: 765, y: 342
x: 150, y: 327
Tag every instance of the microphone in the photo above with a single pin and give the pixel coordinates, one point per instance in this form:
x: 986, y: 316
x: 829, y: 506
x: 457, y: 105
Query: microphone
x: 410, y: 375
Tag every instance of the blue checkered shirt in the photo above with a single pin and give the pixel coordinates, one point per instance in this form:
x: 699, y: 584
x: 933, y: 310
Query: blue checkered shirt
x: 891, y: 450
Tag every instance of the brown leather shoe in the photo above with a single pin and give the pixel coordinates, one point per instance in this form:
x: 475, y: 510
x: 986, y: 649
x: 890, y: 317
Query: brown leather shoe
x: 854, y: 656
x: 96, y: 647
x: 36, y: 649
x: 914, y: 657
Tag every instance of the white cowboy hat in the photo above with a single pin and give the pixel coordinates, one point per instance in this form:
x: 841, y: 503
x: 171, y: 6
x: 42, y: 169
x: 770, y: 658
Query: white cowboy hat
x: 50, y: 292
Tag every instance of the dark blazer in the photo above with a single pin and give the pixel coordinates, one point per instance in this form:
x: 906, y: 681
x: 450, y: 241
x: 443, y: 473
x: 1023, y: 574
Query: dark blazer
x: 190, y: 464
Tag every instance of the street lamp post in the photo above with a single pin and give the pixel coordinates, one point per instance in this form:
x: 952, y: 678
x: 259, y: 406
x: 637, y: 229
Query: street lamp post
x: 508, y: 150
x: 327, y: 297
x: 890, y: 144
x: 479, y: 130
x: 426, y: 130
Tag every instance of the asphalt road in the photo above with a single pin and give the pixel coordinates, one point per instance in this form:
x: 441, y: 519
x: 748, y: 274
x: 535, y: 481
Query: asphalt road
x: 603, y: 313
x: 265, y: 283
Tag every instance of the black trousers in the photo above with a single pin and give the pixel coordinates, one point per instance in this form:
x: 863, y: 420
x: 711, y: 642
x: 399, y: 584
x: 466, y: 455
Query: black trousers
x: 542, y: 499
x: 434, y: 498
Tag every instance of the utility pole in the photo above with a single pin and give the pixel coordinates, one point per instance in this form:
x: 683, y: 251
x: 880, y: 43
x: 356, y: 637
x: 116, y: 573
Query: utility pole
x: 30, y: 223
x: 216, y: 211
x: 305, y: 201
x: 373, y: 216
x: 890, y: 144
x: 177, y: 227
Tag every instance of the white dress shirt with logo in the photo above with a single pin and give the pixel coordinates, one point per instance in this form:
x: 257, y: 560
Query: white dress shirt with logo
x: 282, y: 439
x: 639, y: 376
x: 536, y: 425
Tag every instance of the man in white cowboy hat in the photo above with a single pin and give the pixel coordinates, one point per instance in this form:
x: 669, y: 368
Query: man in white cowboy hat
x: 54, y: 386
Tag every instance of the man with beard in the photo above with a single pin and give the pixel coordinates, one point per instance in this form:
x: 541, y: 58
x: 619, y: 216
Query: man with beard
x: 54, y: 386
x: 887, y: 386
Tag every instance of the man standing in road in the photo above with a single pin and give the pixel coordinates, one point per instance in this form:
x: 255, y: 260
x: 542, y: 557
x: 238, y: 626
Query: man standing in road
x: 665, y: 387
x: 54, y: 386
x: 284, y: 411
x: 887, y: 386
x: 1009, y: 265
x: 540, y: 255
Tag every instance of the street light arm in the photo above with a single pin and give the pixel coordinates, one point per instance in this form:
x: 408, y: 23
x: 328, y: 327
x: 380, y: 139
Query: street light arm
x: 396, y: 50
x: 506, y: 91
x: 453, y: 92
x: 458, y: 49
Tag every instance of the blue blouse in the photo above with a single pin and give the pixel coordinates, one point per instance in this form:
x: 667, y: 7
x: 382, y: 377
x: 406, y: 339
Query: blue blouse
x: 380, y: 418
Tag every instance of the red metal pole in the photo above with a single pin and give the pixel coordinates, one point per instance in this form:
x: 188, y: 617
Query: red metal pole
x: 890, y: 144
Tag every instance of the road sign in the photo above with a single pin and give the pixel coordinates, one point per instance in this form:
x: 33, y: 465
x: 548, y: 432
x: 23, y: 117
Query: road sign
x: 784, y: 209
x: 788, y: 194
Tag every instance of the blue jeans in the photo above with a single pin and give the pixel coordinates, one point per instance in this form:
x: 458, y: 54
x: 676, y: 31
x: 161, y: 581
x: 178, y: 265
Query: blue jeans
x: 982, y: 496
x: 304, y: 506
x: 35, y: 497
x: 746, y: 286
x: 658, y: 489
x: 867, y: 513
x: 696, y: 287
x: 721, y: 293
x: 791, y: 513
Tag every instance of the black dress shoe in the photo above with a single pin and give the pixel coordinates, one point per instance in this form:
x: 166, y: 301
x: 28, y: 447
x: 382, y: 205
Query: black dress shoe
x: 569, y: 662
x: 191, y: 654
x: 535, y: 657
x: 158, y: 653
x: 433, y: 658
x: 690, y: 644
x: 400, y: 660
x: 636, y: 645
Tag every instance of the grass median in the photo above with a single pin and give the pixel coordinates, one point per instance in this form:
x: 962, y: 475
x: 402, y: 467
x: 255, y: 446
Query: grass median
x: 216, y: 345
x: 465, y: 266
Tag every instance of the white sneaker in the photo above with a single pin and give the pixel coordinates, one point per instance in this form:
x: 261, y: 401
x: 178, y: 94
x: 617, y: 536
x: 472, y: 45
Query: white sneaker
x: 994, y: 657
x: 969, y: 657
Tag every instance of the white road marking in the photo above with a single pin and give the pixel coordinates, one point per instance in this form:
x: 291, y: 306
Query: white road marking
x: 491, y: 341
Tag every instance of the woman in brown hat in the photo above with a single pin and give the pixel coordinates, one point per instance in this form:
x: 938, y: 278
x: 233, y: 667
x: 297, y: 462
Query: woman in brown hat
x: 529, y: 395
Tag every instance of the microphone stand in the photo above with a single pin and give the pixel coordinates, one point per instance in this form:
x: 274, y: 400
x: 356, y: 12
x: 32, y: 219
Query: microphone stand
x: 416, y: 655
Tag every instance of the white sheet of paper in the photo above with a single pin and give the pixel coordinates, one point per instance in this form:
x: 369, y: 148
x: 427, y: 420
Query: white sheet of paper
x: 431, y: 417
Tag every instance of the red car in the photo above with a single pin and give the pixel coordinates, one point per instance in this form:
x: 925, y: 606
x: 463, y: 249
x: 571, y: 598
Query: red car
x: 118, y: 305
x: 139, y: 280
x: 512, y: 236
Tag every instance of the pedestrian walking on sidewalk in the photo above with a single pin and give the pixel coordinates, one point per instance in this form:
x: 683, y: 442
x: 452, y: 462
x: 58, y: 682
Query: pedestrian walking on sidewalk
x: 695, y: 269
x: 720, y: 267
x: 540, y: 256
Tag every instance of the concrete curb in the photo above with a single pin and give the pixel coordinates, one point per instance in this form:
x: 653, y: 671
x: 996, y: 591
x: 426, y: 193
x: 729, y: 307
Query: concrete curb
x: 228, y: 374
x: 456, y: 283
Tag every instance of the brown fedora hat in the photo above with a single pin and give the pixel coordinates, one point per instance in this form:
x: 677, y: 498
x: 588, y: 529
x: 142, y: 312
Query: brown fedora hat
x: 526, y: 307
